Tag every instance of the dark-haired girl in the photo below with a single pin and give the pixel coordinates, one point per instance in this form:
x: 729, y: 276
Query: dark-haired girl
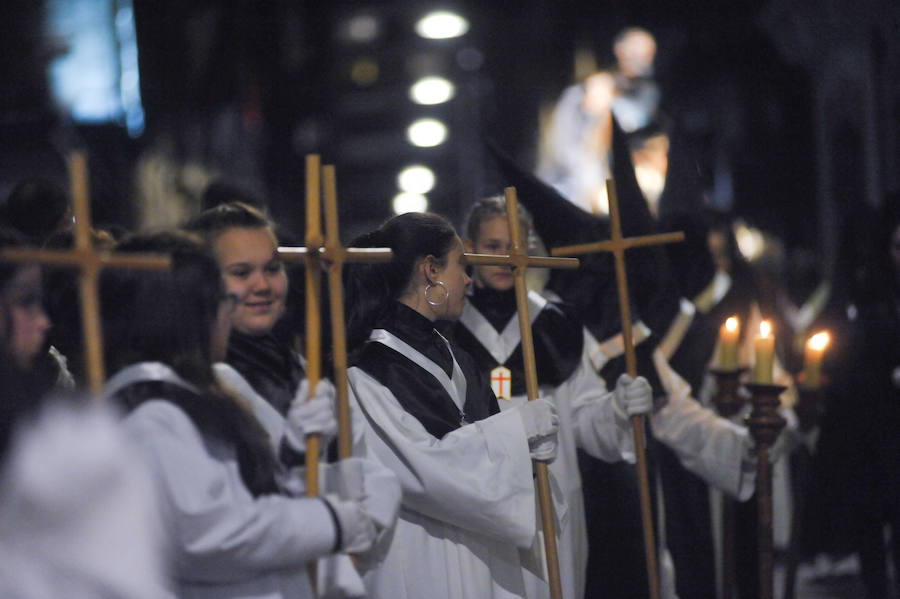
x: 232, y: 530
x: 431, y: 417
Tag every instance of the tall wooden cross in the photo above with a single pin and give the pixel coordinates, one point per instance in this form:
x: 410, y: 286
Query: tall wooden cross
x: 89, y: 262
x: 617, y: 245
x: 520, y: 261
x: 326, y: 251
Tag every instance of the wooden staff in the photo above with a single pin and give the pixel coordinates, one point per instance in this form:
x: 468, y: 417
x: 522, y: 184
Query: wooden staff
x: 335, y: 256
x: 728, y: 402
x: 89, y: 263
x: 765, y: 424
x: 617, y: 245
x: 519, y: 260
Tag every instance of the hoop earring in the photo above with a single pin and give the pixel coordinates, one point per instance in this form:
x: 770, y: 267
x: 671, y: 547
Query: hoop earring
x: 429, y: 287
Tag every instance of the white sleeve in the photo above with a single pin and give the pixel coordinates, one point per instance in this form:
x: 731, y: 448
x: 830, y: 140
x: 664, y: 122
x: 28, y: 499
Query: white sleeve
x: 220, y: 532
x: 478, y: 477
x: 708, y: 445
x: 598, y: 430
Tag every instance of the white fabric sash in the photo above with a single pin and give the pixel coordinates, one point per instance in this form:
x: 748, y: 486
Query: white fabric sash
x: 500, y: 345
x: 601, y: 353
x: 455, y: 388
x: 677, y: 330
x: 714, y: 292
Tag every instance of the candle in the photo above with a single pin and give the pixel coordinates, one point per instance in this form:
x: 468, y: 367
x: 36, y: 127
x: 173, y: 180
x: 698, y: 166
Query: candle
x: 765, y: 354
x: 729, y: 333
x: 812, y: 363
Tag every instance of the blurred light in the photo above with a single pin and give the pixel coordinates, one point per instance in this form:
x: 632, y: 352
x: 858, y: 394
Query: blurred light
x: 819, y: 341
x: 409, y: 202
x: 431, y: 90
x: 765, y: 328
x: 361, y: 29
x: 731, y: 323
x: 750, y: 241
x: 364, y: 72
x: 441, y: 25
x: 427, y: 133
x: 416, y: 179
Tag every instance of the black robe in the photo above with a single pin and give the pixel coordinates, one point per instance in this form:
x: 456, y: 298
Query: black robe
x: 417, y: 390
x: 556, y: 334
x: 271, y: 367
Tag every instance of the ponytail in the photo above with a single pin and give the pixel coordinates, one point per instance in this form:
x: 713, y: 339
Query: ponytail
x: 371, y: 288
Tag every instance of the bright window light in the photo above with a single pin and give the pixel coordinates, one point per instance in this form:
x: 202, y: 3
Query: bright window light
x: 431, y: 90
x: 441, y: 25
x: 426, y: 133
x: 416, y: 179
x: 409, y: 202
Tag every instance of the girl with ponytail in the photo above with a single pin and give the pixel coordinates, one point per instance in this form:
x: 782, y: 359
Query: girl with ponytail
x: 431, y: 417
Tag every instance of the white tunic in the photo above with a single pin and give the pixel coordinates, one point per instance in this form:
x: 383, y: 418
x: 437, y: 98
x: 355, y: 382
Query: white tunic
x: 225, y: 542
x: 337, y: 576
x: 468, y: 498
x: 587, y: 421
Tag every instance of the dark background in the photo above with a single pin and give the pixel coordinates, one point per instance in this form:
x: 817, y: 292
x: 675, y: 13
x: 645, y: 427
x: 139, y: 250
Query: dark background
x: 797, y: 102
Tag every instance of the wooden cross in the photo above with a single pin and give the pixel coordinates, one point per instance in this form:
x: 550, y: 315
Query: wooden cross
x: 520, y: 261
x: 617, y: 245
x: 326, y: 252
x: 89, y: 262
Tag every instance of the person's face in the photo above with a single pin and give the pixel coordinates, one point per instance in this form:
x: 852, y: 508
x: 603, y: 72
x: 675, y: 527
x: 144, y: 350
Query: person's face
x: 27, y: 318
x: 493, y: 238
x: 453, y: 275
x: 254, y: 273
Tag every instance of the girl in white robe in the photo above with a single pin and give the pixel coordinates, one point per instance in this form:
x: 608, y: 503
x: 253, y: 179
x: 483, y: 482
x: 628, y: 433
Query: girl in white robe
x: 230, y: 529
x: 465, y: 469
x: 589, y: 418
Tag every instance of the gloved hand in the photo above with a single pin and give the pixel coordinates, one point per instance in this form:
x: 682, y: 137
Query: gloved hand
x: 776, y: 450
x: 357, y: 530
x: 633, y: 397
x: 369, y: 483
x: 311, y: 415
x: 541, y: 425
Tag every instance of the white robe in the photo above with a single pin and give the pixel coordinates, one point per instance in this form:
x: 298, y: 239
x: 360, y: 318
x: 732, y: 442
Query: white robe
x: 337, y: 576
x: 468, y: 498
x: 586, y: 421
x: 225, y: 542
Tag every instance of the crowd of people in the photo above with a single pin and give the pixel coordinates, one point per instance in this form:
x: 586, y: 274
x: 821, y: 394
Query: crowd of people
x: 187, y: 478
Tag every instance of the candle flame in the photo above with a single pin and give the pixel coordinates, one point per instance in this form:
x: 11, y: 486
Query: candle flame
x: 732, y: 323
x: 819, y: 341
x: 765, y: 328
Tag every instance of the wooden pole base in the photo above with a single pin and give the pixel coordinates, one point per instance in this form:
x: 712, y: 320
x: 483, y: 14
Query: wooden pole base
x: 765, y: 424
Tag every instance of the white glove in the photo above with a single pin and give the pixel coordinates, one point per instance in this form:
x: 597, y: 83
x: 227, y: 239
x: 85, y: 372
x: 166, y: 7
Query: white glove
x: 311, y: 415
x: 357, y: 530
x: 372, y: 485
x: 541, y: 425
x: 633, y: 397
x: 776, y: 450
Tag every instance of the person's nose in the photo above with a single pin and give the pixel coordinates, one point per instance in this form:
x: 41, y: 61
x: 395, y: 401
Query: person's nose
x: 260, y: 283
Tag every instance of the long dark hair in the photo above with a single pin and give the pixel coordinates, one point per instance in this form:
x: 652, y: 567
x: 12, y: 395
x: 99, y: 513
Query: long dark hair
x: 20, y: 391
x: 168, y: 317
x: 370, y: 288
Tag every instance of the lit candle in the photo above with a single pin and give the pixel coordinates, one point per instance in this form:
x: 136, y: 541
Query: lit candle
x: 812, y: 363
x: 765, y: 354
x: 728, y: 343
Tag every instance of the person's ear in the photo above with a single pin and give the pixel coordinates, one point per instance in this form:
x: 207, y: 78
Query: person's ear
x: 430, y: 267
